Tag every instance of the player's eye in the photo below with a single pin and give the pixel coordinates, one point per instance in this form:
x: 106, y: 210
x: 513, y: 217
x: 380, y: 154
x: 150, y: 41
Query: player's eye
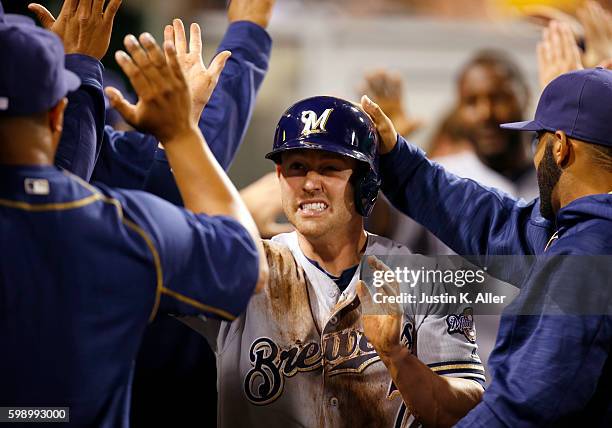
x: 331, y: 168
x: 296, y: 166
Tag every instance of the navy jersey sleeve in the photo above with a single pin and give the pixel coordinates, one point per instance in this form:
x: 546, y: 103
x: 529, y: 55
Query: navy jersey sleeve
x: 132, y: 160
x: 470, y: 218
x: 125, y: 159
x: 84, y: 118
x: 204, y: 264
x: 553, y: 348
x: 225, y: 118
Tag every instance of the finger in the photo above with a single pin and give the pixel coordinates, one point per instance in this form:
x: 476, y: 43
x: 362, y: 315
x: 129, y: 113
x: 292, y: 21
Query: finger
x: 218, y: 63
x: 137, y: 78
x: 69, y: 7
x: 180, y: 42
x: 195, y: 39
x: 84, y: 8
x: 547, y: 45
x: 154, y: 52
x: 142, y: 60
x: 555, y: 41
x: 364, y: 297
x: 374, y: 111
x: 119, y: 103
x: 111, y: 10
x: 169, y: 34
x: 175, y: 67
x: 97, y: 7
x: 42, y: 14
x: 571, y: 48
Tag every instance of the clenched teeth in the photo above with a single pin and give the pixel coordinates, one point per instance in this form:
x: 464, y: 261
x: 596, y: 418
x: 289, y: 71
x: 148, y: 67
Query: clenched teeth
x: 315, y: 206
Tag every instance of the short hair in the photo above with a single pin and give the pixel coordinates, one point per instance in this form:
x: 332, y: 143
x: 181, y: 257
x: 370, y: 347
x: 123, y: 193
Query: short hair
x: 499, y: 60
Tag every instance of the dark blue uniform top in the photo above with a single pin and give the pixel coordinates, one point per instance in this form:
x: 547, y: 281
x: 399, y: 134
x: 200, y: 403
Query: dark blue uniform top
x: 551, y: 364
x: 171, y: 357
x: 83, y: 269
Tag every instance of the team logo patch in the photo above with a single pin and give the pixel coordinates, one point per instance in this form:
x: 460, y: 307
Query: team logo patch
x: 314, y: 124
x: 462, y: 324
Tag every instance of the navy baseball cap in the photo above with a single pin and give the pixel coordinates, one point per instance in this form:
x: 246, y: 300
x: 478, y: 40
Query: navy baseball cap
x: 33, y: 77
x: 578, y: 103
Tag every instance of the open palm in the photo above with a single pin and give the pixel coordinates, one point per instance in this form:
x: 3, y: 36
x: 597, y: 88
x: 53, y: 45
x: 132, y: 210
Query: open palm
x: 202, y: 80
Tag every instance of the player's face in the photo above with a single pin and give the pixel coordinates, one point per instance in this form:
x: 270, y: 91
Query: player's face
x: 316, y: 191
x: 488, y: 98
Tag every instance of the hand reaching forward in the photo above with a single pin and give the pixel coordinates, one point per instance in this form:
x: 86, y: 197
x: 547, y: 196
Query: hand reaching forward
x: 382, y: 322
x: 164, y: 100
x: 84, y: 26
x: 557, y: 52
x: 597, y: 23
x: 201, y: 80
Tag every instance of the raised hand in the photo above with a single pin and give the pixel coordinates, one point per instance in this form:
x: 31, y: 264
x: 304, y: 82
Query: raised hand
x: 164, y: 100
x: 201, y: 80
x: 382, y: 322
x: 386, y: 88
x: 597, y: 23
x: 257, y: 11
x: 557, y: 52
x: 84, y: 26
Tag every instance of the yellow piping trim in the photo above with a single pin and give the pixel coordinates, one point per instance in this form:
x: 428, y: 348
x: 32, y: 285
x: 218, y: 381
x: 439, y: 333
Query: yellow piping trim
x: 97, y: 196
x: 158, y: 269
x: 457, y: 366
x: 57, y: 206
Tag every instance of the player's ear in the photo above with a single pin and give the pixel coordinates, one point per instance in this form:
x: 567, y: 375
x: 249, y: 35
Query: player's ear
x: 56, y: 121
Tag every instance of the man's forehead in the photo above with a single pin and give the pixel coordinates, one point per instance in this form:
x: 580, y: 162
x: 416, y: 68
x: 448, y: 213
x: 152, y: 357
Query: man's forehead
x: 313, y: 154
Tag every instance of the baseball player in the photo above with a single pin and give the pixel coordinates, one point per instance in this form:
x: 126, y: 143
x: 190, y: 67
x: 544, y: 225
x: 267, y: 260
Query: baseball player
x: 298, y: 356
x: 551, y: 362
x: 82, y: 269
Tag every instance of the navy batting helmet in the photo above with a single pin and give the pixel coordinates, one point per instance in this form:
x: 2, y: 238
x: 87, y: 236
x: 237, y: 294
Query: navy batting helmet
x: 337, y: 126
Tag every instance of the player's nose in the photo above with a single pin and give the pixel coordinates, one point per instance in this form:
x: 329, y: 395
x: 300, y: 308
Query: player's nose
x: 312, y: 181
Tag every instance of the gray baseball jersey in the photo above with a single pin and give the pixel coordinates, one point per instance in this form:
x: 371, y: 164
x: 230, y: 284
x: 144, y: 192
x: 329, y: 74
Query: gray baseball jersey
x: 297, y: 357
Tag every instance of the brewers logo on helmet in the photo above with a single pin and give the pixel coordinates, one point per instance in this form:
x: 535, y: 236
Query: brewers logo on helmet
x: 337, y: 126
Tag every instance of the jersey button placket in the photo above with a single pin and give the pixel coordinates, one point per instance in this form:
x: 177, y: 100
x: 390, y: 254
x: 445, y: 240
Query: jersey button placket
x: 333, y: 402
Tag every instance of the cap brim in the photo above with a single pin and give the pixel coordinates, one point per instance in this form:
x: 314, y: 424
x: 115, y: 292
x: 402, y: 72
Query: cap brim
x: 73, y: 82
x: 316, y: 144
x: 528, y: 125
x: 16, y: 19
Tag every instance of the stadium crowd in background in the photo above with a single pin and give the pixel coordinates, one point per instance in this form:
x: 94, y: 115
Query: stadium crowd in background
x: 118, y: 221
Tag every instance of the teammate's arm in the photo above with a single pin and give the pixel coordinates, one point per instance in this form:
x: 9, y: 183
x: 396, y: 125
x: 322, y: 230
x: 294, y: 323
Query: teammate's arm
x: 436, y: 401
x: 225, y: 119
x: 85, y: 28
x: 468, y: 217
x: 164, y: 110
x: 133, y: 160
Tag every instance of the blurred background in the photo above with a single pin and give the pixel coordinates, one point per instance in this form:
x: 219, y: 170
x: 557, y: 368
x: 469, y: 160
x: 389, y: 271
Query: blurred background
x: 326, y: 46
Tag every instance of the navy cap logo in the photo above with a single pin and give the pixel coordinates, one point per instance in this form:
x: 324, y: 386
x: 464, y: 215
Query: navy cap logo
x: 314, y: 124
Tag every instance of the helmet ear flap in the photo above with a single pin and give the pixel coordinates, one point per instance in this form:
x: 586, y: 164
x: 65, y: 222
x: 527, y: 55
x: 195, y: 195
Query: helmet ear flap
x: 366, y: 192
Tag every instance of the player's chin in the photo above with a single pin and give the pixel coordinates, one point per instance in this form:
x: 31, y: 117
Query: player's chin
x: 311, y: 227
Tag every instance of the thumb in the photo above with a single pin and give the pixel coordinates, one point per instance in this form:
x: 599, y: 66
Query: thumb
x: 119, y: 103
x: 371, y: 108
x: 218, y: 64
x: 364, y: 297
x: 43, y: 15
